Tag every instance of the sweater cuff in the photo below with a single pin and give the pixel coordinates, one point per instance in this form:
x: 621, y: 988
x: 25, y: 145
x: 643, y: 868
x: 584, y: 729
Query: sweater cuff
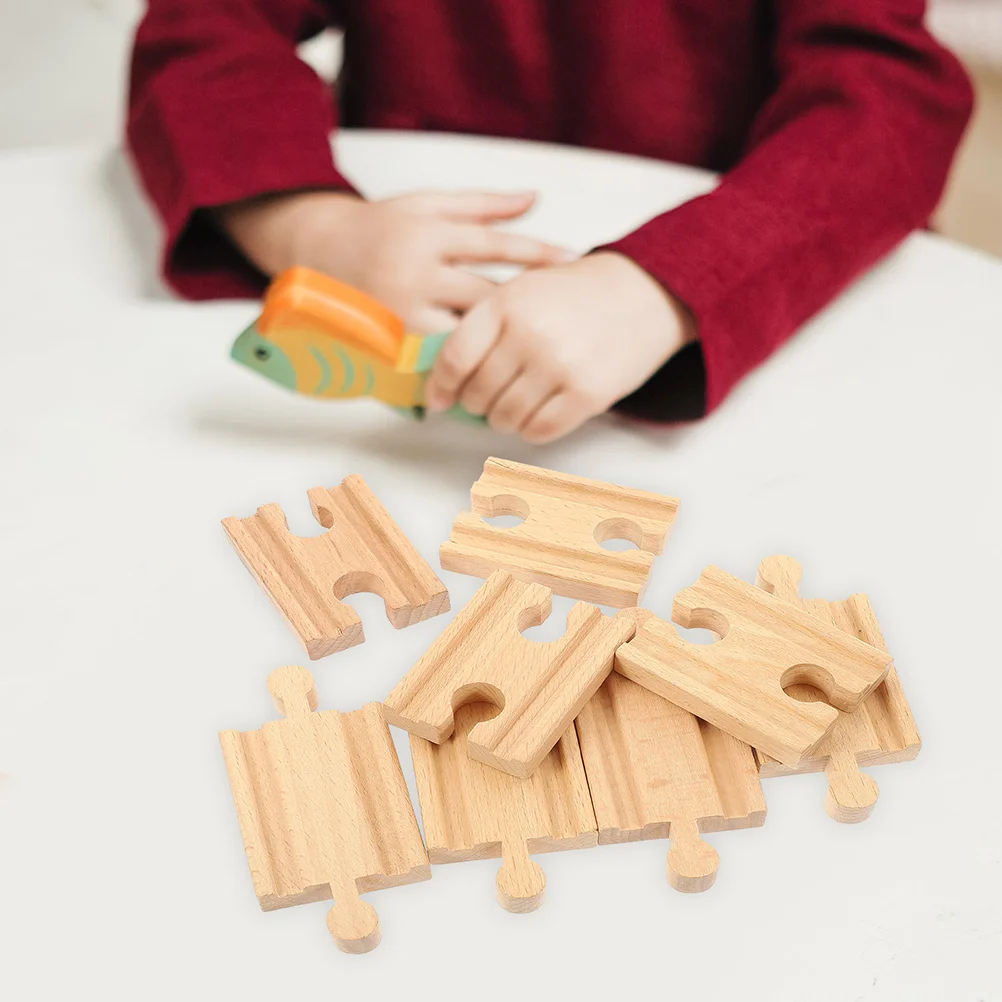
x: 247, y: 144
x: 710, y: 254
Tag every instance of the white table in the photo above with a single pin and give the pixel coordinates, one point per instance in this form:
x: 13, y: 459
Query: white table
x: 131, y: 634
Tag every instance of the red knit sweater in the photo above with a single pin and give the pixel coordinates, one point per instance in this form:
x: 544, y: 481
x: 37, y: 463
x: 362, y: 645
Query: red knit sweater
x: 833, y: 123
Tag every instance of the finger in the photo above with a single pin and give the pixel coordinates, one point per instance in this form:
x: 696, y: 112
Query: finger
x: 520, y: 400
x: 462, y: 353
x: 494, y: 374
x: 460, y: 289
x: 484, y: 243
x: 472, y: 206
x: 433, y: 320
x: 555, y: 418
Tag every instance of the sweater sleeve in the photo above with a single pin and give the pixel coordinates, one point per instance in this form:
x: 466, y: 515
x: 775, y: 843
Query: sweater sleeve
x: 847, y: 156
x: 221, y: 109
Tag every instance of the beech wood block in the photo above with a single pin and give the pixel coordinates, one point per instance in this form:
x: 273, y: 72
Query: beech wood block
x: 566, y: 519
x: 471, y: 811
x: 882, y: 730
x: 656, y: 771
x: 763, y: 645
x: 307, y: 578
x: 323, y: 808
x: 539, y: 687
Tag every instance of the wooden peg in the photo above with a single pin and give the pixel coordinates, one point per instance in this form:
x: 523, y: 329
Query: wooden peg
x: 323, y: 809
x: 482, y: 655
x: 764, y: 645
x: 520, y: 882
x: 882, y: 730
x: 656, y: 771
x: 307, y: 578
x: 692, y: 863
x: 471, y: 811
x: 566, y: 519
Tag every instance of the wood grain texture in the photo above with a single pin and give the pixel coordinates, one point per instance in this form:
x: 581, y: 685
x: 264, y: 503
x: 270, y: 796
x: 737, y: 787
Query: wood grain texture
x: 481, y: 655
x: 323, y: 809
x: 656, y: 771
x: 307, y: 578
x: 566, y: 518
x: 471, y: 811
x: 763, y: 645
x: 882, y: 730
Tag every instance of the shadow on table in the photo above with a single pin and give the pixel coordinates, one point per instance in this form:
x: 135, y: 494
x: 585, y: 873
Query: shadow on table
x: 446, y: 446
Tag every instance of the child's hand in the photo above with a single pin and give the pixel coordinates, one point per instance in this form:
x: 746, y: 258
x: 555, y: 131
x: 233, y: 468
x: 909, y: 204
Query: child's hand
x: 408, y: 252
x: 554, y: 347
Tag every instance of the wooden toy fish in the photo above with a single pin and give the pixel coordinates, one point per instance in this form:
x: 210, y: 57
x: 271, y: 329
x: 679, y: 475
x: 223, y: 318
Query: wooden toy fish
x: 322, y: 338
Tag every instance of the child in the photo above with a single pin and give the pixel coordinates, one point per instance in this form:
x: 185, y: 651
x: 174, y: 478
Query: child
x: 833, y: 123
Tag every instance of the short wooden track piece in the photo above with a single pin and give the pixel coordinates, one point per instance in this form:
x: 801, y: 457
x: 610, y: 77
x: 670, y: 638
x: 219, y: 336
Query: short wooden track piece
x: 471, y: 811
x: 323, y: 809
x: 881, y: 731
x: 558, y: 544
x: 764, y: 645
x: 481, y: 655
x: 307, y: 578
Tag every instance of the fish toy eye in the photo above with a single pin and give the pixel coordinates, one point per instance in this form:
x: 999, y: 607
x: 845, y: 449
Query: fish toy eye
x: 262, y: 353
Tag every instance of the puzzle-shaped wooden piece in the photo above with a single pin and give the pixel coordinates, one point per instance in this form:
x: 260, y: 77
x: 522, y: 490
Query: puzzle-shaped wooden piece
x: 656, y: 771
x: 482, y: 656
x: 764, y: 645
x: 882, y: 730
x: 323, y: 809
x: 566, y: 519
x: 365, y: 550
x: 471, y: 811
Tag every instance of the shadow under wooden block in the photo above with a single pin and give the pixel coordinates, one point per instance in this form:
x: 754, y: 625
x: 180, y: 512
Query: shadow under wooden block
x: 471, y: 811
x: 539, y: 687
x: 881, y: 731
x: 323, y: 809
x: 656, y: 771
x: 558, y: 543
x: 307, y: 578
x: 764, y: 645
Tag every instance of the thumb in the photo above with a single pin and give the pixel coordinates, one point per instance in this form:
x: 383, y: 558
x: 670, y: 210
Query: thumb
x: 463, y: 352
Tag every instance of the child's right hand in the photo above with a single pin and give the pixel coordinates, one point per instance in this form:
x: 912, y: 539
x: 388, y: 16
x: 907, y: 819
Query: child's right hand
x: 408, y: 252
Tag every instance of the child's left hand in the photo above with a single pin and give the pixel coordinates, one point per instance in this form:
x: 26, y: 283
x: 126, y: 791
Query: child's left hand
x: 558, y: 345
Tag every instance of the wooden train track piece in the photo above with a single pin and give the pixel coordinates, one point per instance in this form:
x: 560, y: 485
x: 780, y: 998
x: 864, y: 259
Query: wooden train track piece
x: 471, y: 811
x: 566, y: 519
x: 323, y: 809
x: 656, y: 771
x: 481, y: 655
x: 307, y: 578
x: 763, y: 645
x: 882, y: 730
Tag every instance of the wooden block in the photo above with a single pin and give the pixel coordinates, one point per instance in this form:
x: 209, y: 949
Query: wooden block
x: 540, y: 687
x: 307, y: 578
x: 323, y: 809
x: 471, y: 811
x: 656, y: 771
x: 881, y: 731
x: 558, y: 544
x: 763, y: 646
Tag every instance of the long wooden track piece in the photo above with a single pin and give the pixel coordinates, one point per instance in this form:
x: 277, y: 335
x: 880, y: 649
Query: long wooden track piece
x: 566, y: 519
x: 323, y: 809
x: 656, y: 771
x: 764, y: 645
x: 307, y: 578
x: 881, y: 731
x: 540, y: 687
x: 471, y: 811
